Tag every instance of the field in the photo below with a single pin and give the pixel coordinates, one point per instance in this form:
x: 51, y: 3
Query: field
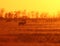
x: 30, y: 32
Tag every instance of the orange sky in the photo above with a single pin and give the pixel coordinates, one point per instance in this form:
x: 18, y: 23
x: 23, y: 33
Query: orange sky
x: 50, y: 6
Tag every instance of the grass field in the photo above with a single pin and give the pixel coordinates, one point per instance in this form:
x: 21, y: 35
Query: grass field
x: 30, y: 32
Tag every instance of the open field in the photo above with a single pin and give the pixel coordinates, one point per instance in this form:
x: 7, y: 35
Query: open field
x: 30, y: 32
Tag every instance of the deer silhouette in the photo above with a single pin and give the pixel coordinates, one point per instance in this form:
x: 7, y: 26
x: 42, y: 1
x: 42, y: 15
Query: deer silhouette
x: 22, y: 22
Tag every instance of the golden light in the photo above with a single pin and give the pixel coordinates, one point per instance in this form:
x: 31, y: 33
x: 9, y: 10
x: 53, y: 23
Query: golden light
x: 50, y: 6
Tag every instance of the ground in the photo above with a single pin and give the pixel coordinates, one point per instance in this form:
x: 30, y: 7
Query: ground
x: 33, y: 32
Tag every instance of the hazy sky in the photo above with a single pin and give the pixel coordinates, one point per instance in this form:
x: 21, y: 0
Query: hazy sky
x: 50, y: 6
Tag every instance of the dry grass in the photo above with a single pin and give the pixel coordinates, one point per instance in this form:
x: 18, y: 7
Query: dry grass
x: 41, y: 32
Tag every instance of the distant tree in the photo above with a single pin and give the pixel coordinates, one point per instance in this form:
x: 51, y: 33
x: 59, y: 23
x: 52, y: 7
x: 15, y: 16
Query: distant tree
x: 17, y: 14
x: 24, y: 17
x: 24, y: 13
x: 43, y: 15
x: 37, y: 14
x: 10, y: 15
x: 6, y: 15
x: 32, y: 13
x: 58, y: 14
x: 2, y: 13
x: 28, y: 14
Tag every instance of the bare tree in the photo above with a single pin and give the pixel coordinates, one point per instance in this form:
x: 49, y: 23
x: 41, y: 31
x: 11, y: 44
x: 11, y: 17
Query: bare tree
x: 10, y: 15
x: 37, y: 14
x: 32, y: 13
x: 17, y: 14
x: 6, y: 15
x: 1, y: 13
x: 24, y: 13
x: 43, y: 15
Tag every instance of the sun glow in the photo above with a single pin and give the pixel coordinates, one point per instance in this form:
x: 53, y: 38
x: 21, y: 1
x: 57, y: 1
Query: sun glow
x: 49, y: 6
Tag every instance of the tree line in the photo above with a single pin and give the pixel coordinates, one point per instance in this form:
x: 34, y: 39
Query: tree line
x: 23, y: 14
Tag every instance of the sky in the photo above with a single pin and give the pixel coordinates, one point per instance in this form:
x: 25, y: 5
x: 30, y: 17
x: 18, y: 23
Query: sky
x: 50, y: 6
